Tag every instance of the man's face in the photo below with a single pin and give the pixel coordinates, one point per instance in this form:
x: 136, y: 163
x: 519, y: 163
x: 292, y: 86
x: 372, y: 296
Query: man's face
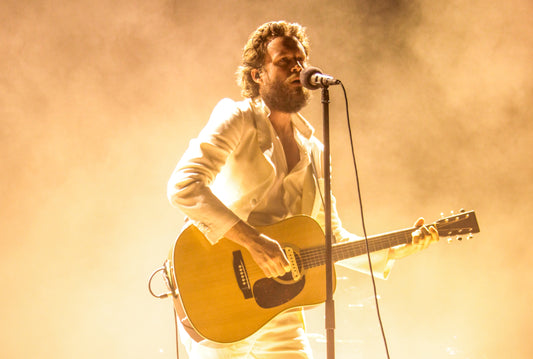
x: 279, y: 83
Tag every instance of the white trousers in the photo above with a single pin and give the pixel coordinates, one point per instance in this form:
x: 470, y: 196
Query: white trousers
x: 283, y: 337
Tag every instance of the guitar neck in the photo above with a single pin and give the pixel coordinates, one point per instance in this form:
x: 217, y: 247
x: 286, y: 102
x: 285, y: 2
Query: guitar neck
x: 316, y: 256
x: 456, y: 225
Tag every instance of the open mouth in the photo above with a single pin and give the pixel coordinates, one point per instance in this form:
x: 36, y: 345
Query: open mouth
x: 295, y: 81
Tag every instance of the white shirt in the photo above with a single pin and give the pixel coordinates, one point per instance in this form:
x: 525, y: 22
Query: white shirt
x: 284, y: 197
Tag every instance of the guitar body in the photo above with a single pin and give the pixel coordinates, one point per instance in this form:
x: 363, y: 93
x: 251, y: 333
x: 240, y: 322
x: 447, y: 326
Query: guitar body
x: 226, y: 296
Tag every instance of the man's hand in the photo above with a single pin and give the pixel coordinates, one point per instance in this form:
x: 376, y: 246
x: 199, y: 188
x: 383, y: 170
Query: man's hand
x: 422, y: 238
x: 265, y: 251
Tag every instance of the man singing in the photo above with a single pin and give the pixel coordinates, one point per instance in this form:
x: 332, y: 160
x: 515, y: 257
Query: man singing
x: 257, y: 162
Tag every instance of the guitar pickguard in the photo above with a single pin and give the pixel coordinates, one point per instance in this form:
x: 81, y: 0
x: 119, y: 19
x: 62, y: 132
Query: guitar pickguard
x: 269, y: 293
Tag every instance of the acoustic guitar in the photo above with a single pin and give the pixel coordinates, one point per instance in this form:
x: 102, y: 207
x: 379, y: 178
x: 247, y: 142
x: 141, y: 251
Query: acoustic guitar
x: 222, y: 295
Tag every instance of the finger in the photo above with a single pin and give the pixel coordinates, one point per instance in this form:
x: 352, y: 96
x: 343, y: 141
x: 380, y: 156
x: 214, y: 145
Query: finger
x: 268, y: 270
x: 420, y: 238
x: 267, y: 273
x: 425, y: 231
x: 284, y: 265
x: 416, y: 236
x: 277, y: 271
x: 434, y: 233
x: 279, y: 266
x: 284, y: 261
x: 269, y: 267
x: 431, y: 235
x: 419, y: 222
x: 428, y: 237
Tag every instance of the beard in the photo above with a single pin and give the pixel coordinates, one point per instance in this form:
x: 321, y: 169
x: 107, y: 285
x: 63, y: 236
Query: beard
x: 279, y: 96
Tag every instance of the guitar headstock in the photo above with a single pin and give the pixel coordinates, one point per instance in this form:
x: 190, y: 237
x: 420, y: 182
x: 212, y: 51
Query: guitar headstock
x: 462, y: 224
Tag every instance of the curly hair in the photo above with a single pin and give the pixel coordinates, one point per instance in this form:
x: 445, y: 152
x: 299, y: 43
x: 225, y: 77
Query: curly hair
x: 253, y: 55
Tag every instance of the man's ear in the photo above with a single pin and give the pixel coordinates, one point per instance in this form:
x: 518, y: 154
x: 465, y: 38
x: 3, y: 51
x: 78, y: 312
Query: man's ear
x: 256, y: 75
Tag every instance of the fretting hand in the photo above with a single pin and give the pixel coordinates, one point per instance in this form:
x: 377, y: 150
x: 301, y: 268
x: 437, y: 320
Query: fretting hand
x: 421, y: 239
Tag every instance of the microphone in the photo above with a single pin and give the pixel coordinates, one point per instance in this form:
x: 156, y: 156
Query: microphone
x: 313, y: 78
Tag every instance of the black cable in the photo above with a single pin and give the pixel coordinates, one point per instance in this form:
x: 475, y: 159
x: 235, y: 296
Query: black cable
x: 363, y: 221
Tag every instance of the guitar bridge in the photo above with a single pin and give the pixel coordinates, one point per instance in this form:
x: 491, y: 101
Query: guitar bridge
x: 241, y: 275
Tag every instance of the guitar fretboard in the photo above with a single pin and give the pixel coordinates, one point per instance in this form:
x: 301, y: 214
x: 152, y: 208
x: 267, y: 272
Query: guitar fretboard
x: 316, y: 256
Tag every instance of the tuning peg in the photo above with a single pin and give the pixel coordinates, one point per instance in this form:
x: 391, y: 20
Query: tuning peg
x: 459, y: 238
x: 462, y: 210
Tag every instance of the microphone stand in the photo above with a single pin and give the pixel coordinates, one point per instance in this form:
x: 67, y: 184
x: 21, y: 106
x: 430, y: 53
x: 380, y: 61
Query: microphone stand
x: 330, y: 305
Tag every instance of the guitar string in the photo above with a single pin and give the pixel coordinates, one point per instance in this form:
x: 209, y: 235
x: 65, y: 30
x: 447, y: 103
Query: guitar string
x: 315, y: 256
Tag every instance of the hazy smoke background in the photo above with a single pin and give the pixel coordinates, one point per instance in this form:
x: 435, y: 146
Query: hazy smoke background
x: 99, y: 98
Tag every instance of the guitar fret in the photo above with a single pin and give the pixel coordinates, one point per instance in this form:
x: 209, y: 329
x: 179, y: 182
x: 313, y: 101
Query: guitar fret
x: 316, y: 256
